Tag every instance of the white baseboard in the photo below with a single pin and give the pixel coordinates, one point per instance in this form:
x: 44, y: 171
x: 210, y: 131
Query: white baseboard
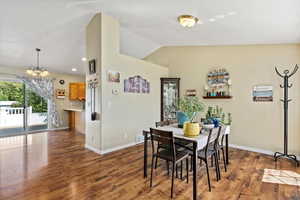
x: 92, y: 149
x: 118, y: 148
x: 110, y: 150
x: 257, y: 150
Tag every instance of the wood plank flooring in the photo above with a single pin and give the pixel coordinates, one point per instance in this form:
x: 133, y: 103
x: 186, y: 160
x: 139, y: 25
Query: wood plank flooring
x: 56, y: 166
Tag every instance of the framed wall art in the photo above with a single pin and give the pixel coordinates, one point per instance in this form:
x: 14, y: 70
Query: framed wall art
x: 113, y: 76
x: 92, y: 66
x: 136, y: 84
x: 262, y: 93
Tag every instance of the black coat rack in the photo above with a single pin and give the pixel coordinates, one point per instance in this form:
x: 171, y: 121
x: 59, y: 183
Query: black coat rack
x: 286, y: 75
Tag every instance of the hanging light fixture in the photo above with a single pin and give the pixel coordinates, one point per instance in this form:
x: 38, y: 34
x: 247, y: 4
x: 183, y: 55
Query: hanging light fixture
x: 187, y: 20
x: 37, y: 71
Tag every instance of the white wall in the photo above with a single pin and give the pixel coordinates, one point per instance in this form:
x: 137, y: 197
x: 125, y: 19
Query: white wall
x: 123, y: 116
x: 135, y: 45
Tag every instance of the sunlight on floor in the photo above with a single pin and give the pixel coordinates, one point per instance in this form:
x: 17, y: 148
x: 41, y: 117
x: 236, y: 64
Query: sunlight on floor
x: 281, y: 177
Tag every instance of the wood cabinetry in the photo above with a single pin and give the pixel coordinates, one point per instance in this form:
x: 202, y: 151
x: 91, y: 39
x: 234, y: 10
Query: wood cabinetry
x: 77, y: 91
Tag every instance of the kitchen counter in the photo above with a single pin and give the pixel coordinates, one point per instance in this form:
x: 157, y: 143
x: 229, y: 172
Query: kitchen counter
x: 76, y: 119
x: 74, y: 110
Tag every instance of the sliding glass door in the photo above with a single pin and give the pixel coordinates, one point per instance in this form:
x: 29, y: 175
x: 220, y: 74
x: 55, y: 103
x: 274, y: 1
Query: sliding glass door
x: 12, y: 107
x: 21, y: 109
x: 37, y: 111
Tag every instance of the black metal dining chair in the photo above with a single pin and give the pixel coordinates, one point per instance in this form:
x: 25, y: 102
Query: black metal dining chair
x: 170, y: 154
x: 221, y: 147
x: 179, y: 144
x: 161, y: 146
x: 210, y: 151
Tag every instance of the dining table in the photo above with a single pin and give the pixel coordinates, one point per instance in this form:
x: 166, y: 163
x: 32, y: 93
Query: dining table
x: 198, y: 143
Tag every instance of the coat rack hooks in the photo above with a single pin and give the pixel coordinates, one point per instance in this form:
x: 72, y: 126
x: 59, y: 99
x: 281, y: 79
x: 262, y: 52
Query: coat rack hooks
x: 286, y: 75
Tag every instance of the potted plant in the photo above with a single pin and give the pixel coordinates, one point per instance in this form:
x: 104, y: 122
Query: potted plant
x: 190, y: 107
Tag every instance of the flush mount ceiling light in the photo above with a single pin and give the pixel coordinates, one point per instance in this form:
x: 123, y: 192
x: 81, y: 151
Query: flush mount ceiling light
x: 37, y: 71
x: 187, y: 20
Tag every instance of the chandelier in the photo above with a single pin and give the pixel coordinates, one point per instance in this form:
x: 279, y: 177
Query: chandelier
x: 37, y: 71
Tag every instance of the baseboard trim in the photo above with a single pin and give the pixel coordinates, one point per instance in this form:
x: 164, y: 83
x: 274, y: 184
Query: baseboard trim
x: 110, y: 150
x: 257, y: 150
x: 92, y: 149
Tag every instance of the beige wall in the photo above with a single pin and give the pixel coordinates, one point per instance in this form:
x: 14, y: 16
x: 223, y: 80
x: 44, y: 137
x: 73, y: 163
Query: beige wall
x: 61, y: 103
x: 255, y: 124
x: 125, y: 115
x: 93, y: 51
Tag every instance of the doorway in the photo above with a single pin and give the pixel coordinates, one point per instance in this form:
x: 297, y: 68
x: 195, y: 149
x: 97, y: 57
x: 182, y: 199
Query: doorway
x: 21, y: 109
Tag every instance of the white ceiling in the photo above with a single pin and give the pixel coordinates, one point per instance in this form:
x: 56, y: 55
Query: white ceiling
x: 58, y: 26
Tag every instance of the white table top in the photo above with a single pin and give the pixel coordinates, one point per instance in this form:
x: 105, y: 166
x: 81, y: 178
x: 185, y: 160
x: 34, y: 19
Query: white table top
x: 178, y: 133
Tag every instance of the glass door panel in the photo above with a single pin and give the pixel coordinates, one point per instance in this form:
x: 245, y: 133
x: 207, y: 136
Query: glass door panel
x: 12, y: 107
x: 36, y: 112
x: 169, y: 98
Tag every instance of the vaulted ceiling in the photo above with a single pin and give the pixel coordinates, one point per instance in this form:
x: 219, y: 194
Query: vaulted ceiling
x: 58, y: 26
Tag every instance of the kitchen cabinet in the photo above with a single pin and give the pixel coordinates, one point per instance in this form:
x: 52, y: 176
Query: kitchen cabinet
x: 77, y: 91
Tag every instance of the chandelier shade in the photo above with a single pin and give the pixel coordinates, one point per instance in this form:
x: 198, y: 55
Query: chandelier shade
x: 37, y: 71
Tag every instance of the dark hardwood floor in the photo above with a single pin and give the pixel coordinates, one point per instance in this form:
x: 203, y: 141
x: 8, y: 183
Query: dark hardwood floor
x: 56, y: 165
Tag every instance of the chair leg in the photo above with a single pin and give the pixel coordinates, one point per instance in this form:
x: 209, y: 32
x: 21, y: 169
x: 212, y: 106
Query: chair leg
x: 212, y: 161
x: 216, y: 164
x: 168, y: 167
x: 152, y: 166
x: 181, y: 163
x: 191, y: 163
x: 208, y: 179
x: 157, y: 149
x: 172, y: 186
x: 217, y: 167
x: 156, y: 163
x: 187, y: 170
x: 224, y: 160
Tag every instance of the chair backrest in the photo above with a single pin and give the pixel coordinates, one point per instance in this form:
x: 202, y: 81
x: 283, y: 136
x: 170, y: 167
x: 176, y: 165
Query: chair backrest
x: 165, y: 138
x: 213, y: 138
x: 222, y: 135
x: 161, y: 123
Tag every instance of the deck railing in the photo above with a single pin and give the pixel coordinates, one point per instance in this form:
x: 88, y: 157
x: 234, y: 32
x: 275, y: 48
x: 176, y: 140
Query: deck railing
x: 11, y: 117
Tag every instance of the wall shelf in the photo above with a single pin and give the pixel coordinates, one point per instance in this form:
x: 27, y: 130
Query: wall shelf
x: 217, y: 97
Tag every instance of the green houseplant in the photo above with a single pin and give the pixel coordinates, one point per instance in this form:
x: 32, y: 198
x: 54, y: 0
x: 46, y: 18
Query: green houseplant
x: 191, y: 107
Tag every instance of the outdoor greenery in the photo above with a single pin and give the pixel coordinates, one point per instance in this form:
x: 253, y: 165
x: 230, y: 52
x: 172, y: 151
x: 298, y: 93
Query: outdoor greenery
x: 191, y: 106
x: 13, y: 91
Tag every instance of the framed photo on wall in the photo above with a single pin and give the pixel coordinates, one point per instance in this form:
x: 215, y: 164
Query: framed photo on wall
x: 262, y: 93
x: 113, y: 76
x: 92, y: 66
